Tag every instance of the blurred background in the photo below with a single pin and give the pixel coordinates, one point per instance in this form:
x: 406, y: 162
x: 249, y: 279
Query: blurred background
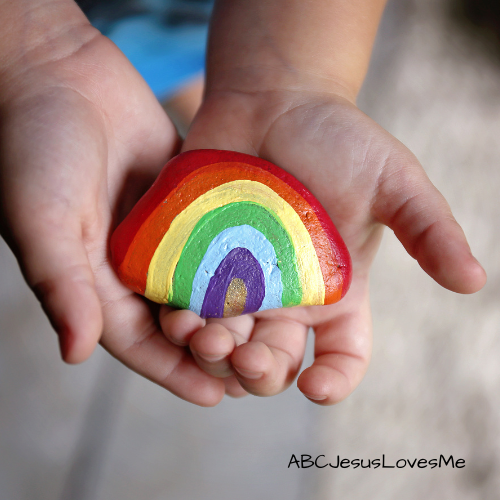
x: 98, y: 431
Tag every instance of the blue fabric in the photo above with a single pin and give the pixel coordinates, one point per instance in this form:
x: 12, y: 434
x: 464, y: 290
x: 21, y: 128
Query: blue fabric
x: 164, y: 39
x: 166, y: 57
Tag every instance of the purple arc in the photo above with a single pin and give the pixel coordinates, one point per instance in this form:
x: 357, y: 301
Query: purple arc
x: 239, y: 264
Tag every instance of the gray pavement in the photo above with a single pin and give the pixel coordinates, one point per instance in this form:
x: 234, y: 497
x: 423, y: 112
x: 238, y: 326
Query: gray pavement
x: 98, y: 431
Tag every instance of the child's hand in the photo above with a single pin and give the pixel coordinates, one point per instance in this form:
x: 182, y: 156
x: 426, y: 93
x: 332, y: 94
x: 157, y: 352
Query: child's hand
x: 364, y: 178
x: 80, y: 133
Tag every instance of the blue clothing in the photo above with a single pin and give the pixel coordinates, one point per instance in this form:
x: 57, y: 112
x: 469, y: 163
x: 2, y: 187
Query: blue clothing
x: 164, y: 39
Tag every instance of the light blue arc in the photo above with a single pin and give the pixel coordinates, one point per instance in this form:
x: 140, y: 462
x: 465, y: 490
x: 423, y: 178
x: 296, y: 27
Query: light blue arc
x: 244, y: 236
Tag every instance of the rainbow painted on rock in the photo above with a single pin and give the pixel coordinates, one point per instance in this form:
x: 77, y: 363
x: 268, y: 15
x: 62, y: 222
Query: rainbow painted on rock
x: 225, y: 233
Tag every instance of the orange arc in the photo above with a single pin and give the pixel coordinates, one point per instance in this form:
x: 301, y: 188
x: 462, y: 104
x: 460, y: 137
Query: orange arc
x: 151, y: 232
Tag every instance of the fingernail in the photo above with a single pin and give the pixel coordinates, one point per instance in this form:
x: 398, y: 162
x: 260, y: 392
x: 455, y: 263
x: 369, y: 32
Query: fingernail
x: 315, y: 398
x: 249, y: 374
x: 211, y: 359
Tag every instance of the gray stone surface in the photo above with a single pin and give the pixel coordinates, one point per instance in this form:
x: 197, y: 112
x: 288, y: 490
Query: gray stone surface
x: 433, y: 386
x: 97, y: 431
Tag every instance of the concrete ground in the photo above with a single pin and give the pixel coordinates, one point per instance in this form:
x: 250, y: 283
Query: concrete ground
x: 98, y: 431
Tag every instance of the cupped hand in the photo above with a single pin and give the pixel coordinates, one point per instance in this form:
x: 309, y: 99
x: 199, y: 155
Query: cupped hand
x: 81, y: 138
x: 365, y: 179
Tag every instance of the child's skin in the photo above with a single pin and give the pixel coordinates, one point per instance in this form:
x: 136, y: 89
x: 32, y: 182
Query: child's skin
x: 282, y: 78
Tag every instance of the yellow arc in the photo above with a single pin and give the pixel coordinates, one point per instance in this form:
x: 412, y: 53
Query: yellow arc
x: 162, y: 266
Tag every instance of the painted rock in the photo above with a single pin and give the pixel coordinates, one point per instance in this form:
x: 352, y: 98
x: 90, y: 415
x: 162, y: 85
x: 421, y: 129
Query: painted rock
x: 225, y: 233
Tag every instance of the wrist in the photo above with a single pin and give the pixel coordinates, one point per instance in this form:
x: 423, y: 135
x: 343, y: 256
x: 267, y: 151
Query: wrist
x: 276, y: 82
x: 292, y: 44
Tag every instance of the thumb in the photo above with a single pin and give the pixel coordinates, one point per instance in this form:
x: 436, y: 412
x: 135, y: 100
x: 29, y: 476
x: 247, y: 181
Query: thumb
x: 422, y: 220
x: 55, y: 265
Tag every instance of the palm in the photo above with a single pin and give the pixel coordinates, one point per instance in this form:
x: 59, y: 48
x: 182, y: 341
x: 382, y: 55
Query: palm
x: 358, y: 172
x: 93, y: 150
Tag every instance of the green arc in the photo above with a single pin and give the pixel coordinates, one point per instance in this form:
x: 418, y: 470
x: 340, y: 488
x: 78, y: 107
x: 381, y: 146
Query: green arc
x: 231, y: 215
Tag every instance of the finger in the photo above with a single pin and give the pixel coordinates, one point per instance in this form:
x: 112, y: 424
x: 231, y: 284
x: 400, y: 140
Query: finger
x: 211, y: 347
x: 240, y: 326
x: 211, y: 341
x: 270, y: 361
x: 179, y: 326
x: 55, y: 264
x: 213, y: 344
x: 342, y: 349
x: 421, y: 218
x: 233, y: 388
x: 133, y: 337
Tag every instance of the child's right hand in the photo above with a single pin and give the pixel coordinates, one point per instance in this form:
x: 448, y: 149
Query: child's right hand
x: 80, y: 134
